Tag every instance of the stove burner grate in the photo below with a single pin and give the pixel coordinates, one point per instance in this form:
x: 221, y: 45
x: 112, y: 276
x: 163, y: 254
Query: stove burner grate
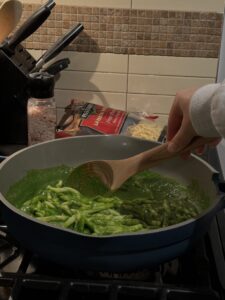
x: 25, y: 276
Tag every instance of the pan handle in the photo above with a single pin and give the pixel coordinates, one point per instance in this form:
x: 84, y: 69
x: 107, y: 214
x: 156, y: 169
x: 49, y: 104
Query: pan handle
x: 220, y: 185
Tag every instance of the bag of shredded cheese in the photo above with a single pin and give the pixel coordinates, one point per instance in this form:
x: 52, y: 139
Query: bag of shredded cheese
x: 145, y: 130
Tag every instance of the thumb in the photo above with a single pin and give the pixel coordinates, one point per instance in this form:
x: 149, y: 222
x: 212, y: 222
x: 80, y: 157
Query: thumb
x: 182, y: 138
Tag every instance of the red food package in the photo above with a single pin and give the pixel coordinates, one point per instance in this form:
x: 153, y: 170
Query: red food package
x: 87, y: 119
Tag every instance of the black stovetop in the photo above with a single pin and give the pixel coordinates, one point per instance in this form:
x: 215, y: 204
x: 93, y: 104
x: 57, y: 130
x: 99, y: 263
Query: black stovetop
x: 199, y: 274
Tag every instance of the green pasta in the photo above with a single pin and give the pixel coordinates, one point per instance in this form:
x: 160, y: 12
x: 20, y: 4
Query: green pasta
x: 80, y: 202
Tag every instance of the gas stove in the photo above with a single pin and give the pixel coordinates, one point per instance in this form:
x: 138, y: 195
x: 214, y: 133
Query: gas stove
x: 199, y: 274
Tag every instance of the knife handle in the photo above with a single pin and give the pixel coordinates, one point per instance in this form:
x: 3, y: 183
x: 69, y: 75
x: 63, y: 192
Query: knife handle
x: 60, y: 44
x: 31, y: 24
x: 57, y: 66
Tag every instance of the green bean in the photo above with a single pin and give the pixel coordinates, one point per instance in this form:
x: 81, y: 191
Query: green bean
x: 148, y: 202
x: 80, y: 225
x: 52, y: 218
x: 70, y: 221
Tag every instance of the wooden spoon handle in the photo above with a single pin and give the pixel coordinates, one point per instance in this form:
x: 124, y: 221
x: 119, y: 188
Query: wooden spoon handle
x: 159, y: 153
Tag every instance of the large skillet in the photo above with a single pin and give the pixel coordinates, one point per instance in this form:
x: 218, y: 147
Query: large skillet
x: 112, y: 253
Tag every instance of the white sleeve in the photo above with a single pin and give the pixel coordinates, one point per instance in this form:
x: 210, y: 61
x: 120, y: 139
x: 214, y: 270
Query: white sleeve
x: 207, y: 110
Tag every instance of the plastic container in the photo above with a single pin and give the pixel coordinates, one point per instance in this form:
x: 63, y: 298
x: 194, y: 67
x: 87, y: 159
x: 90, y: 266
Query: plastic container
x: 41, y: 108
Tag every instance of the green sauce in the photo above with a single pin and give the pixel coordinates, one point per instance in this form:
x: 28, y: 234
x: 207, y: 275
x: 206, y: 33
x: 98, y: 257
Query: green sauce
x: 79, y: 201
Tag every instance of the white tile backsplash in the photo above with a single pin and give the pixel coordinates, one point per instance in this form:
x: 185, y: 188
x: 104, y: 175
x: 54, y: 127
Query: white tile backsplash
x: 162, y: 85
x: 158, y: 104
x: 114, y: 100
x: 180, y: 5
x: 133, y: 83
x: 96, y: 62
x: 36, y: 53
x: 173, y: 66
x: 93, y: 81
x: 32, y: 1
x: 97, y: 3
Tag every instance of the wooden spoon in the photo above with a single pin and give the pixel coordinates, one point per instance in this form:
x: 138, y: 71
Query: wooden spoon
x: 10, y: 14
x: 113, y: 173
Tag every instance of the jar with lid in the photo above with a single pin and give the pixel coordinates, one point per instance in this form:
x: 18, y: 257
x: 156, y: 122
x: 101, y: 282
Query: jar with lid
x: 41, y: 108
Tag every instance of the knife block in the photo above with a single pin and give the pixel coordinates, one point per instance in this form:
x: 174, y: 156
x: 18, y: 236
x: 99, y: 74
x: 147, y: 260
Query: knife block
x: 14, y: 95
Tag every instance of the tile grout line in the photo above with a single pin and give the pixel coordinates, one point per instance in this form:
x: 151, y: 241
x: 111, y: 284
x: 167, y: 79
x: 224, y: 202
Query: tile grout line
x: 128, y: 68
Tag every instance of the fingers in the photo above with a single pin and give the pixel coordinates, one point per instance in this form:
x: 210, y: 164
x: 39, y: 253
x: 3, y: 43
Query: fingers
x: 185, y: 155
x: 212, y: 142
x: 215, y: 142
x: 180, y: 131
x: 179, y: 109
x: 182, y: 138
x: 174, y: 121
x: 200, y: 150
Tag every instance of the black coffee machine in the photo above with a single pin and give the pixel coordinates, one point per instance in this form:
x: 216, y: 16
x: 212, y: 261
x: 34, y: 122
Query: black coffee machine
x: 16, y: 63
